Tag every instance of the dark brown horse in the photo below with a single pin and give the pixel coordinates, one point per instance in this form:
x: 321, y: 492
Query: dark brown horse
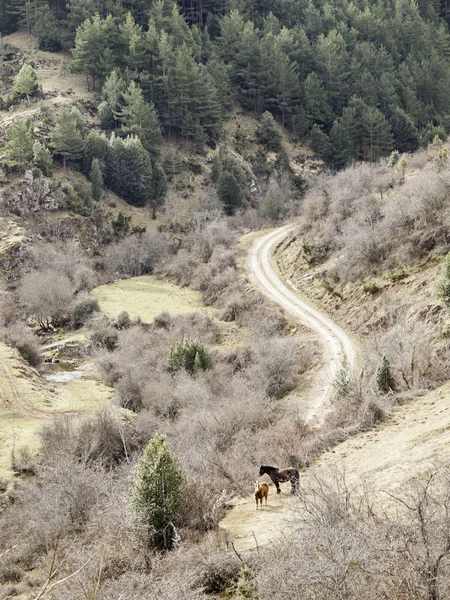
x: 281, y: 476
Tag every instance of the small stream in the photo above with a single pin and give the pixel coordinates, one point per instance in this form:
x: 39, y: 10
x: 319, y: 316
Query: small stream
x: 62, y: 372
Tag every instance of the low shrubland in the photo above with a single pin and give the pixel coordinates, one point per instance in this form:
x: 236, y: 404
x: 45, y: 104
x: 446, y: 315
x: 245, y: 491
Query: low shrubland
x: 379, y: 216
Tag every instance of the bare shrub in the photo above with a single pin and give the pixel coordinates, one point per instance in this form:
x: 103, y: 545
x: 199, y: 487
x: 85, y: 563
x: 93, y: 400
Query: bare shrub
x: 331, y: 552
x: 201, y: 508
x: 198, y: 325
x: 264, y: 319
x: 129, y: 393
x: 182, y: 267
x: 139, y: 254
x: 21, y: 337
x: 83, y: 308
x: 234, y: 304
x: 204, y: 237
x: 276, y: 362
x: 66, y: 259
x: 22, y: 461
x: 46, y: 296
x: 218, y: 572
x: 102, y: 439
x: 9, y: 309
x: 410, y: 346
x: 104, y: 336
x: 164, y: 320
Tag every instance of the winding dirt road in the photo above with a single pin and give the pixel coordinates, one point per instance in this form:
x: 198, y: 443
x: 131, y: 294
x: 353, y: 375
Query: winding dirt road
x: 244, y: 526
x: 337, y: 346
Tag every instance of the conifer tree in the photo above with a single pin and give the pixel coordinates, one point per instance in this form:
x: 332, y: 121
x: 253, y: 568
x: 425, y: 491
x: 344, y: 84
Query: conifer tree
x: 66, y: 136
x: 216, y: 168
x: 268, y: 133
x: 378, y: 139
x: 96, y: 178
x: 42, y: 158
x: 384, y: 380
x: 112, y: 100
x: 129, y: 170
x: 230, y: 192
x: 19, y: 148
x: 272, y: 205
x: 157, y: 492
x: 47, y: 30
x: 26, y: 81
x: 406, y: 136
x: 92, y: 53
x: 96, y: 146
x: 78, y: 12
x: 2, y: 54
x: 140, y: 118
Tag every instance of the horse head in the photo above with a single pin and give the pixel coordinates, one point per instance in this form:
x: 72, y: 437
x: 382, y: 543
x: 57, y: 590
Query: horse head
x: 262, y: 470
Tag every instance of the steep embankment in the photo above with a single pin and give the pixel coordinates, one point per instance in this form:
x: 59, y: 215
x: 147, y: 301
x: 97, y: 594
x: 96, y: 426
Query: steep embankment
x: 387, y: 456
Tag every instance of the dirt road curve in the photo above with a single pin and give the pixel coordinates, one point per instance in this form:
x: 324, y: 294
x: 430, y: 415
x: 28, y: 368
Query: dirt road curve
x: 243, y: 525
x: 336, y: 344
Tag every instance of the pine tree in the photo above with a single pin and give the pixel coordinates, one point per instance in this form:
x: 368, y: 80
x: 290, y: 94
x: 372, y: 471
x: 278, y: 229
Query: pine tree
x: 96, y: 178
x: 384, y: 380
x: 96, y: 146
x: 268, y: 134
x: 378, y: 139
x: 406, y: 136
x: 140, y: 118
x: 112, y: 100
x: 47, y: 30
x: 9, y: 16
x: 129, y: 170
x: 272, y: 205
x: 230, y: 192
x: 19, y: 148
x: 26, y: 81
x: 92, y: 53
x: 2, y: 54
x: 316, y: 100
x: 190, y: 355
x: 216, y: 168
x: 333, y: 61
x: 66, y: 136
x: 78, y: 12
x: 157, y: 492
x: 42, y: 158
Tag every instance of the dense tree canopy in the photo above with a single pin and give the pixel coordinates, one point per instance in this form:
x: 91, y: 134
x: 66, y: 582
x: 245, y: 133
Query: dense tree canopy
x: 356, y: 78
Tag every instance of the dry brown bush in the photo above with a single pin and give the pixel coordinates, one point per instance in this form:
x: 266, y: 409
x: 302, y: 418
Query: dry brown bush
x: 139, y: 254
x: 66, y: 259
x: 21, y: 337
x: 46, y: 297
x: 376, y: 219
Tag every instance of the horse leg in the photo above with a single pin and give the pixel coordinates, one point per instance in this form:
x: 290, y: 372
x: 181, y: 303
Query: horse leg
x: 277, y: 485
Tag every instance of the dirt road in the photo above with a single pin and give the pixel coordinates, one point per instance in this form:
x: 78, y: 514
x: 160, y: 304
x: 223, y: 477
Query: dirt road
x: 245, y: 526
x: 337, y: 346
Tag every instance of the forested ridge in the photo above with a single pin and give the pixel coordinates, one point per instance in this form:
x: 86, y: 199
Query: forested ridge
x: 358, y: 79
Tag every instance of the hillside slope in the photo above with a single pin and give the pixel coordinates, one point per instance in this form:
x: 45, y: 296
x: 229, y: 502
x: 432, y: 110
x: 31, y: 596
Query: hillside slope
x: 386, y: 457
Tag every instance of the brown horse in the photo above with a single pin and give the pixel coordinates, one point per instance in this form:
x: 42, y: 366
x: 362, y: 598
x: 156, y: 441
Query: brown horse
x: 261, y: 491
x: 282, y: 475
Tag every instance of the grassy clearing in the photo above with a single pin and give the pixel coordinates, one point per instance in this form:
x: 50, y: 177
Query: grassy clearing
x: 147, y: 297
x: 27, y: 402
